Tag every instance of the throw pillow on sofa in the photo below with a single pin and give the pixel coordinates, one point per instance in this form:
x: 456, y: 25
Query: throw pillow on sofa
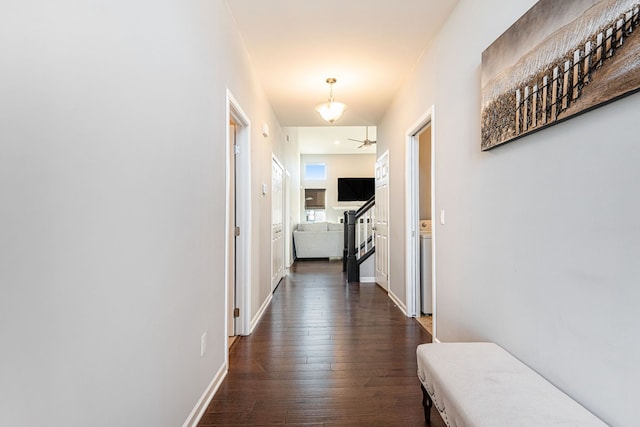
x: 313, y: 226
x: 335, y: 227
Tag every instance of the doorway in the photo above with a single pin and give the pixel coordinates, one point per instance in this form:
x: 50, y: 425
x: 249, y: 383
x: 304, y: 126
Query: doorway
x: 420, y: 211
x: 232, y: 235
x: 238, y: 220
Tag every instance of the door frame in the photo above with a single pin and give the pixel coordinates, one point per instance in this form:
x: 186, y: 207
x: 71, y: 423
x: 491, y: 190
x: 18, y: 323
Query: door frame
x: 230, y: 258
x: 243, y: 215
x: 412, y: 211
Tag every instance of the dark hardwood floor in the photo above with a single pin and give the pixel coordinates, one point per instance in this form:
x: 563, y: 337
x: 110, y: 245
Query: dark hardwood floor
x: 324, y: 354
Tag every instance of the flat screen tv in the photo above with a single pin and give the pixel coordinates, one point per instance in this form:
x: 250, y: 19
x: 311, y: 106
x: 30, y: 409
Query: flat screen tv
x: 355, y: 189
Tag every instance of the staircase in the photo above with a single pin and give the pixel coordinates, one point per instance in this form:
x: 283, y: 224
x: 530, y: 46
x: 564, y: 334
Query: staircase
x: 359, y: 241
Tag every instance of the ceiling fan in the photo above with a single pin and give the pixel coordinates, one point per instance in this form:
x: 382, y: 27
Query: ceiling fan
x: 367, y: 142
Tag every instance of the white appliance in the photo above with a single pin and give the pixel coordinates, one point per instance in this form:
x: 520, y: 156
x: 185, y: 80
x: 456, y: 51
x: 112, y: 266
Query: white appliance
x: 425, y: 267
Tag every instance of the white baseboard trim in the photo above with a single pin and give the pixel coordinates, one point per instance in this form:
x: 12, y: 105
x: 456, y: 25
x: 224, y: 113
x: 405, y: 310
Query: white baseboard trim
x: 260, y: 313
x: 367, y: 280
x: 436, y: 340
x: 397, y: 302
x: 203, y: 403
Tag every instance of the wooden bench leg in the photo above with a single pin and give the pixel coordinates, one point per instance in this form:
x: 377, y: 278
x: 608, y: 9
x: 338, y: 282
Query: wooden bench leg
x: 426, y: 404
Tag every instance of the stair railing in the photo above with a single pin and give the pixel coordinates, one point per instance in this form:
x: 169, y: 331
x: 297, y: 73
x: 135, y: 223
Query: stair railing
x: 359, y: 228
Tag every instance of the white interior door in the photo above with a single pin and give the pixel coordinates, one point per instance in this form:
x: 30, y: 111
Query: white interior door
x: 231, y: 260
x: 277, y: 223
x: 382, y: 221
x: 287, y: 238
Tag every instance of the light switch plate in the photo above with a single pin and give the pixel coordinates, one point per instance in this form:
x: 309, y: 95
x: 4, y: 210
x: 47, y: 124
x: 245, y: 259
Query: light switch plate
x: 203, y: 344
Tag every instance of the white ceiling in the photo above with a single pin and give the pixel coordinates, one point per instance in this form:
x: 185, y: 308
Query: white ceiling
x: 335, y: 140
x: 370, y: 46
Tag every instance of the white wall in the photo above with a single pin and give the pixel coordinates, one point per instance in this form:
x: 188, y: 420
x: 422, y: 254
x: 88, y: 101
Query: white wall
x: 112, y: 176
x: 262, y: 150
x: 338, y: 166
x: 292, y: 164
x: 538, y: 251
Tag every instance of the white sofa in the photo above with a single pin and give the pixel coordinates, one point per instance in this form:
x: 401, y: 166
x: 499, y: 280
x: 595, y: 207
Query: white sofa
x: 318, y: 240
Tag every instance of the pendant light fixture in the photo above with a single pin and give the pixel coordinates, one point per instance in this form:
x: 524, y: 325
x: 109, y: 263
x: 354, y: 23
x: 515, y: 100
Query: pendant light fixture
x: 331, y: 110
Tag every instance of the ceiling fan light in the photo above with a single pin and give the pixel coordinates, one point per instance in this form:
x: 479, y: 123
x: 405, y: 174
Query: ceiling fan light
x: 331, y: 111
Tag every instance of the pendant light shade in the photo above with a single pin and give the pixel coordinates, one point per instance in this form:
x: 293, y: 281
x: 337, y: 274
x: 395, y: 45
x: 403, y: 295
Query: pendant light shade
x: 331, y: 110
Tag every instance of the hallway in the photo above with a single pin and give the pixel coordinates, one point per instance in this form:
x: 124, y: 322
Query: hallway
x: 324, y: 354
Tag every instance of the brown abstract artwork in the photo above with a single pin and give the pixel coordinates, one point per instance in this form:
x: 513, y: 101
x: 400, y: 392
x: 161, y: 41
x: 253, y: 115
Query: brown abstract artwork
x: 560, y: 59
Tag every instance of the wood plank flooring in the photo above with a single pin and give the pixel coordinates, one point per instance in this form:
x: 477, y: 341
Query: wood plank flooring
x: 325, y: 353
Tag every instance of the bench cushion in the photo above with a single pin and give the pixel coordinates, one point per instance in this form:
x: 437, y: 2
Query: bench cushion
x: 481, y: 384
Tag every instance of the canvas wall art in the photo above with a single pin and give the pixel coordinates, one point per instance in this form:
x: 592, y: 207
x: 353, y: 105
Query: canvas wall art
x: 560, y: 59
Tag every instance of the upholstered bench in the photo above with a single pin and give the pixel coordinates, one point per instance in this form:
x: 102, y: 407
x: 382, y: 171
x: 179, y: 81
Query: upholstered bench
x: 481, y: 384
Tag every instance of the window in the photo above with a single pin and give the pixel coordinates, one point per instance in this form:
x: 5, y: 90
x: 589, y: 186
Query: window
x: 315, y: 171
x: 314, y: 198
